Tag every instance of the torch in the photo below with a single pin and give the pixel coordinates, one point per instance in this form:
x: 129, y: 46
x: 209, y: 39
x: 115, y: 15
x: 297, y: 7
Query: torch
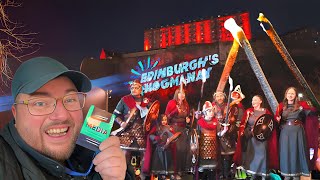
x: 288, y: 59
x: 241, y: 38
x: 228, y: 66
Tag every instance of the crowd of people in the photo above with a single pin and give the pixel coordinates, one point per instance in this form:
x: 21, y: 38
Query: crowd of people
x: 226, y: 138
x: 211, y: 143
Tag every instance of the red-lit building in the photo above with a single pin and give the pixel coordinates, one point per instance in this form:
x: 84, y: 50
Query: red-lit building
x: 197, y: 32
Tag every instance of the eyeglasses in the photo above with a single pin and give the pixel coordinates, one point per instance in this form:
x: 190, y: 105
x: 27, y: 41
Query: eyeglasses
x: 46, y: 105
x: 135, y: 87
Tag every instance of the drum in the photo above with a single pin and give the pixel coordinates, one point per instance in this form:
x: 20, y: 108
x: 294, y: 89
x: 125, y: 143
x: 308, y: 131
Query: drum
x: 262, y: 129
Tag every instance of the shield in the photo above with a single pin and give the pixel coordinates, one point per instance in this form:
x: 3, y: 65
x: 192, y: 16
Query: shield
x: 263, y: 127
x: 152, y: 115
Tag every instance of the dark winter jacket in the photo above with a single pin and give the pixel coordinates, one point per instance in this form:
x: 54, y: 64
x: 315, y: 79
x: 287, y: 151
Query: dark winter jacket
x: 19, y: 161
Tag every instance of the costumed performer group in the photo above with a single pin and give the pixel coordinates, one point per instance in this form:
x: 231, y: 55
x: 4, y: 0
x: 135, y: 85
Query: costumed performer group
x: 228, y: 137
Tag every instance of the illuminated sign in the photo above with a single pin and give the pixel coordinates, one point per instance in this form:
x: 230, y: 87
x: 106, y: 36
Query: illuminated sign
x: 155, y: 78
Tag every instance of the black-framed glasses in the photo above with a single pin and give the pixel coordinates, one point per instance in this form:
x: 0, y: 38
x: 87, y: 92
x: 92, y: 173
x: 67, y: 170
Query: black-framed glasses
x: 46, y: 105
x: 135, y: 87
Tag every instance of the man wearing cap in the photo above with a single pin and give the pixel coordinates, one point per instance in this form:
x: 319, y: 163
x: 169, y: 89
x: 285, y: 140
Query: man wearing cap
x: 40, y: 142
x: 228, y: 139
x: 132, y: 107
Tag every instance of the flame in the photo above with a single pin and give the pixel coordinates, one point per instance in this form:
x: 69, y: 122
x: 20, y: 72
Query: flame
x: 262, y: 18
x: 231, y: 25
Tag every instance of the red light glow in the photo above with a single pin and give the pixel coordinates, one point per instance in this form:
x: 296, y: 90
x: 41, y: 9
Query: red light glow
x: 163, y: 38
x: 198, y: 32
x: 206, y: 31
x: 186, y: 33
x: 169, y: 36
x: 177, y: 36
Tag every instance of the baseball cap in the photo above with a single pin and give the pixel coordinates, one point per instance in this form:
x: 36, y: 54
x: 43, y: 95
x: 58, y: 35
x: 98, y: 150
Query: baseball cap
x: 36, y: 72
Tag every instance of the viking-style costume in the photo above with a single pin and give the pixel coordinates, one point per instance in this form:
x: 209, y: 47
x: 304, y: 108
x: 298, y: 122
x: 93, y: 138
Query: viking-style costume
x: 294, y: 146
x: 177, y: 120
x: 257, y: 157
x: 163, y: 159
x: 130, y: 113
x: 209, y: 152
x: 133, y: 136
x: 228, y: 140
x: 237, y: 96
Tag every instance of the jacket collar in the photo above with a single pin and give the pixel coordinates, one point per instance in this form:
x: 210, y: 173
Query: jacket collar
x: 53, y: 167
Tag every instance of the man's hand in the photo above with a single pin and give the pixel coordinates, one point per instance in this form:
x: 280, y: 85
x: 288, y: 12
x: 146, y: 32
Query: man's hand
x: 198, y: 114
x: 111, y: 162
x: 188, y: 120
x: 123, y: 124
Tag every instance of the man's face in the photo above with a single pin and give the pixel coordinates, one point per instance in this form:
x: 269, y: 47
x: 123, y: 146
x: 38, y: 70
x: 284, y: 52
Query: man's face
x: 219, y: 98
x: 135, y: 90
x: 55, y: 134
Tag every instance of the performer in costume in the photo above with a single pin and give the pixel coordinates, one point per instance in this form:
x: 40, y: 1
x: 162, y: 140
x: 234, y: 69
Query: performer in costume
x: 134, y: 106
x: 177, y: 111
x: 163, y: 160
x: 228, y: 140
x: 256, y: 157
x: 292, y: 115
x: 237, y: 96
x: 209, y: 144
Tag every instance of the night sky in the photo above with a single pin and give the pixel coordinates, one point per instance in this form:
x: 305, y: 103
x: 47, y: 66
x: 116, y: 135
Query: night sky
x: 72, y: 30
